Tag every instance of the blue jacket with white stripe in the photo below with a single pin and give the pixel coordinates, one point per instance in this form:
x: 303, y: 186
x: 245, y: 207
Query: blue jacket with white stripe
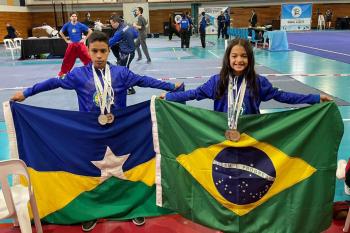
x: 81, y: 80
x: 250, y: 104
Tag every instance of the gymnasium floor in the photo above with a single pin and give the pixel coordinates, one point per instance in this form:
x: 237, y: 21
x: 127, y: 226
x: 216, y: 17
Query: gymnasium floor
x: 290, y: 70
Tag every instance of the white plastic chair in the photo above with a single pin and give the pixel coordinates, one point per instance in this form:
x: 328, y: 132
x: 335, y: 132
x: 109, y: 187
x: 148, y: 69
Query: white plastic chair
x: 18, y: 42
x: 9, y: 45
x: 14, y: 201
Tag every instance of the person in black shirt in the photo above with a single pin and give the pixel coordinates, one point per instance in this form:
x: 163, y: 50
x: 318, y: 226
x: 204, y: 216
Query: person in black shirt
x: 11, y: 32
x: 253, y: 19
x: 172, y: 27
x: 88, y: 22
x: 221, y: 24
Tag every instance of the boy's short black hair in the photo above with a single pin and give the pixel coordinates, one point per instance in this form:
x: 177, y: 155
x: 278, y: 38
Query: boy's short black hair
x: 203, y: 13
x: 73, y: 13
x: 140, y: 9
x: 98, y: 36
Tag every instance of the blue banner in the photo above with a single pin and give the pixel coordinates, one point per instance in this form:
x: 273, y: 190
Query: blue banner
x: 296, y: 17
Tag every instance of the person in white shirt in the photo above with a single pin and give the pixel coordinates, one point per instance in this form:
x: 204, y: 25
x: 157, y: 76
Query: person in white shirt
x: 98, y: 25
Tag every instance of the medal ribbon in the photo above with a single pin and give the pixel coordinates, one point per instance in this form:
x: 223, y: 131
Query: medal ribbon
x: 105, y: 92
x: 235, y: 98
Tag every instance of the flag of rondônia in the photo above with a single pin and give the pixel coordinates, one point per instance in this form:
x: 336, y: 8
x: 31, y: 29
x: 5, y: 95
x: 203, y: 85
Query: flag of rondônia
x: 279, y: 177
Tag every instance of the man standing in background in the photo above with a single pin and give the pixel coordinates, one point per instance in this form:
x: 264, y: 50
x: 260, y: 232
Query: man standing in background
x: 227, y: 23
x: 141, y: 40
x: 76, y: 44
x: 221, y: 24
x: 202, y: 26
x: 253, y: 19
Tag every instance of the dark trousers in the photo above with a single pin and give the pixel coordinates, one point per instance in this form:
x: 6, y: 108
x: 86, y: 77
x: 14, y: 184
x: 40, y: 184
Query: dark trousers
x: 173, y: 31
x: 202, y: 36
x: 141, y: 40
x: 126, y: 58
x: 221, y: 31
x: 224, y: 32
x: 185, y: 38
x: 116, y: 50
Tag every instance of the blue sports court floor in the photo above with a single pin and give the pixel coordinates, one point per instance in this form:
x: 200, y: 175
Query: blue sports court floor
x: 296, y: 70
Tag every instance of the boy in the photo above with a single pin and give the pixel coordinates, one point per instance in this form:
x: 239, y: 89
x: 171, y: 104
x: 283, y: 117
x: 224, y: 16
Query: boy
x: 81, y: 79
x: 90, y: 98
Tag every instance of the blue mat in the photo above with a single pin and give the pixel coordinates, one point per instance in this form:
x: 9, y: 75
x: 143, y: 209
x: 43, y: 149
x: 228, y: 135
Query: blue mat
x: 328, y: 44
x: 4, y: 144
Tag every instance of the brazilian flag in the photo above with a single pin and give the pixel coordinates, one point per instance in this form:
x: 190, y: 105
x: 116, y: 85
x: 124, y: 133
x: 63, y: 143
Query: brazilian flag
x: 279, y: 177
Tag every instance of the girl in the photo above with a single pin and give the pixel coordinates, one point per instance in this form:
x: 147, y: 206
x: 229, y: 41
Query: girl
x: 238, y: 63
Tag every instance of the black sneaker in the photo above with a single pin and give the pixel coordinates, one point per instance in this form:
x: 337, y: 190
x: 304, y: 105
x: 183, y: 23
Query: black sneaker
x: 148, y: 61
x: 88, y: 226
x: 139, y: 59
x: 131, y: 91
x: 139, y: 221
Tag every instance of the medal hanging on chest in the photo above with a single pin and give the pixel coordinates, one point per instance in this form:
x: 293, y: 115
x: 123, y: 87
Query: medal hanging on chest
x: 105, y: 95
x: 235, y: 98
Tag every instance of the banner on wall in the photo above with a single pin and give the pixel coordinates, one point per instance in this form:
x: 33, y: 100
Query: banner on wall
x: 211, y: 15
x: 296, y: 17
x: 129, y: 13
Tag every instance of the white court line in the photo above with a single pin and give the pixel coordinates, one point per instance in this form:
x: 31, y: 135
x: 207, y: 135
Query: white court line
x: 213, y: 53
x: 324, y: 50
x: 207, y: 76
x: 12, y: 88
x: 178, y: 58
x: 190, y: 77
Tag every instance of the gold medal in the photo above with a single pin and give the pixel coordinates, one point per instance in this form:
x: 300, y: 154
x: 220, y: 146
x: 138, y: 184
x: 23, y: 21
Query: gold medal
x: 232, y: 135
x: 102, y: 119
x: 110, y: 118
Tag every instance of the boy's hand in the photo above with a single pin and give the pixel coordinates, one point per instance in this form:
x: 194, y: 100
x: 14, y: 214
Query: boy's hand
x: 325, y: 98
x: 162, y: 96
x: 18, y: 96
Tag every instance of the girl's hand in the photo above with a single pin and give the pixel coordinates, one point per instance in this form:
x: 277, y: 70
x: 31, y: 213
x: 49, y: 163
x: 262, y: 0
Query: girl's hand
x: 325, y: 98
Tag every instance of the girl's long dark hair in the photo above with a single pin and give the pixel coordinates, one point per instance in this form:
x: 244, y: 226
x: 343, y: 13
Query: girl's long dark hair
x: 249, y: 72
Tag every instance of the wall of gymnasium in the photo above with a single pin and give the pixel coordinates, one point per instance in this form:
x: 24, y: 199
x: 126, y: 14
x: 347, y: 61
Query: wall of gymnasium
x: 25, y: 18
x: 266, y: 14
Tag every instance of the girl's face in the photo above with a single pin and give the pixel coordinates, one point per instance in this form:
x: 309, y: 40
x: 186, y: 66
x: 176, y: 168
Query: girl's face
x: 238, y: 59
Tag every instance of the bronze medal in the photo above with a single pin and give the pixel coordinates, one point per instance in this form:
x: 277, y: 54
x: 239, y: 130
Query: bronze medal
x: 110, y: 118
x: 232, y: 135
x: 102, y: 119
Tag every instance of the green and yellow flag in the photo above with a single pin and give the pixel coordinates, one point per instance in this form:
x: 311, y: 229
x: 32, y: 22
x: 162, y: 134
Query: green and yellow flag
x: 279, y: 177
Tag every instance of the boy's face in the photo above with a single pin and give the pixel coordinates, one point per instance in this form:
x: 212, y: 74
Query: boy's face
x: 99, y: 52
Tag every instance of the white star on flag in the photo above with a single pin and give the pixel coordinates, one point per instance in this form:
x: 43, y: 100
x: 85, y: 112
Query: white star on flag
x: 111, y: 165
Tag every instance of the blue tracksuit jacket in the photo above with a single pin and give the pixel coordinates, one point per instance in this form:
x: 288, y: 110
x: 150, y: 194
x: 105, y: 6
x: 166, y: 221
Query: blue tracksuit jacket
x: 81, y: 80
x: 250, y: 105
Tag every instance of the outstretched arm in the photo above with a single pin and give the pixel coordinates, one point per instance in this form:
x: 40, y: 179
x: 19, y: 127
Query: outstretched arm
x: 267, y: 92
x: 205, y: 91
x: 50, y: 84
